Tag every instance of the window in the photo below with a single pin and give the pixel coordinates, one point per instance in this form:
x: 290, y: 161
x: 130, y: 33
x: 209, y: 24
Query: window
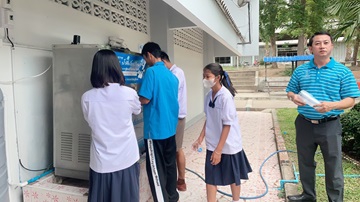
x: 223, y: 60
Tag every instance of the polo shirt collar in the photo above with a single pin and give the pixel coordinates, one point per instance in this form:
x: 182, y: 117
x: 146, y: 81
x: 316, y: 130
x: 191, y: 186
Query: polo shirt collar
x: 159, y: 63
x: 330, y: 64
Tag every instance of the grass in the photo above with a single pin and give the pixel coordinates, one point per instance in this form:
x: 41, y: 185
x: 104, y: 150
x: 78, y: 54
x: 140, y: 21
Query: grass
x: 286, y: 118
x: 231, y: 68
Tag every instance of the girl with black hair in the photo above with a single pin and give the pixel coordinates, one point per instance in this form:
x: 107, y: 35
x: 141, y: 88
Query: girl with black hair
x: 226, y: 162
x: 114, y: 151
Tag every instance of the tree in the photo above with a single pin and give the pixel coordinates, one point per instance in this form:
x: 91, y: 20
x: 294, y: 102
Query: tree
x: 271, y: 19
x: 348, y: 24
x: 305, y: 17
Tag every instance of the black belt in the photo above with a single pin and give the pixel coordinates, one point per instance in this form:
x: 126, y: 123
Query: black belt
x: 320, y: 121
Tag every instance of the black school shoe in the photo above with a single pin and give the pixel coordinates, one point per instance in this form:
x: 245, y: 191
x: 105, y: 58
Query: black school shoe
x: 302, y: 198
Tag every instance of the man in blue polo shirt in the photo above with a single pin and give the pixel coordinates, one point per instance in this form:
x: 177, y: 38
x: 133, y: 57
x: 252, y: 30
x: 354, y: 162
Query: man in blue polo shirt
x: 335, y: 87
x: 159, y: 96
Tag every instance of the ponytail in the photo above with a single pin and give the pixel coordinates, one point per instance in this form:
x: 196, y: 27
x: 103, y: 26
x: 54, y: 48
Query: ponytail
x: 226, y: 81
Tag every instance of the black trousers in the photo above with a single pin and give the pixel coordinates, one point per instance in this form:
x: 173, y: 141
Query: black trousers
x: 328, y: 136
x: 161, y: 168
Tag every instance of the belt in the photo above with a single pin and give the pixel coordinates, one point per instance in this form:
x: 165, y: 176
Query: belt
x: 320, y: 121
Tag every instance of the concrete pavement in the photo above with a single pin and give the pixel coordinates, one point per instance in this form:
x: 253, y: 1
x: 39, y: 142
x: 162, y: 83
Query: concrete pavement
x: 258, y: 133
x: 261, y: 137
x: 258, y: 143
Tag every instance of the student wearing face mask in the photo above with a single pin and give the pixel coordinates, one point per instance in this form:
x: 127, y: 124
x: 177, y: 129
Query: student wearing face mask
x: 226, y: 162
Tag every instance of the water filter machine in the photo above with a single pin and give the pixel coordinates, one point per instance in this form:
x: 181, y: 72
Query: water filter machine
x: 71, y: 78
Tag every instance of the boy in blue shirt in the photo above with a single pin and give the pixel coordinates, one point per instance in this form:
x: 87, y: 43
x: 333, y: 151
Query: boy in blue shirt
x: 159, y: 97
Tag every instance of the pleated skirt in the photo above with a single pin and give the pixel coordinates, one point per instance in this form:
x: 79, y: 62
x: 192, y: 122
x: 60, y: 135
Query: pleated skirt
x: 122, y: 185
x: 231, y: 169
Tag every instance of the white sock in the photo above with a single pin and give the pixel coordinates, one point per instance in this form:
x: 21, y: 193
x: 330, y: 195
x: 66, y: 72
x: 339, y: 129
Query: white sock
x: 237, y: 200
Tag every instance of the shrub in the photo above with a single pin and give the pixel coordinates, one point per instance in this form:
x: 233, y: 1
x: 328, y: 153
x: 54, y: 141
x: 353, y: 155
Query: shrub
x: 356, y: 107
x: 351, y: 131
x: 287, y: 72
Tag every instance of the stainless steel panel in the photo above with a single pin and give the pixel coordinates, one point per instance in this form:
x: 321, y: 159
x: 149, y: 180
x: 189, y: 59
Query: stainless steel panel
x: 72, y: 68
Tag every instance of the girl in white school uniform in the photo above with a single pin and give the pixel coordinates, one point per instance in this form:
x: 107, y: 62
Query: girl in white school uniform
x: 114, y: 152
x: 226, y: 162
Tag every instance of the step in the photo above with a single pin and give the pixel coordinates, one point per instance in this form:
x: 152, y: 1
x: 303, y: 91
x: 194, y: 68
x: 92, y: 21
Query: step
x: 280, y: 84
x: 279, y: 93
x: 247, y: 79
x: 243, y: 83
x: 245, y: 87
x: 274, y: 89
x: 244, y: 91
x: 240, y: 74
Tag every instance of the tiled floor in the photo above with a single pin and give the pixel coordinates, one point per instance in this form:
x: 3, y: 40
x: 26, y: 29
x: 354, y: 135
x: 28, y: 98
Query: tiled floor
x: 258, y: 143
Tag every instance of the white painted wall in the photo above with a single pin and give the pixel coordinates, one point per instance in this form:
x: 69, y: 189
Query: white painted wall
x: 192, y: 64
x: 209, y: 17
x: 42, y: 23
x: 28, y: 112
x: 28, y: 103
x: 339, y: 51
x: 213, y: 21
x: 250, y: 33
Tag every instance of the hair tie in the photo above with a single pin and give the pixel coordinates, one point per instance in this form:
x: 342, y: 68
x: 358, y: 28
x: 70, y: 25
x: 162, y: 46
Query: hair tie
x: 226, y: 75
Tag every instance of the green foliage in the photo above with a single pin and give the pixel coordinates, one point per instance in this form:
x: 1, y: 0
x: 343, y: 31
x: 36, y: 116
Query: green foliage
x: 356, y: 107
x: 351, y: 131
x: 230, y: 68
x: 272, y: 14
x: 287, y: 72
x: 285, y: 45
x: 348, y: 18
x: 347, y: 22
x: 305, y: 17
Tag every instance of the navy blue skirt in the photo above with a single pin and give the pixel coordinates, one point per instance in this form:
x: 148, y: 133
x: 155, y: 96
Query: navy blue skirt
x: 122, y: 185
x: 230, y: 170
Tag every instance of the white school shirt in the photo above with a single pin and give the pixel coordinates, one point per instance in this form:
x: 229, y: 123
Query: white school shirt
x: 224, y: 113
x: 182, y: 96
x: 108, y: 112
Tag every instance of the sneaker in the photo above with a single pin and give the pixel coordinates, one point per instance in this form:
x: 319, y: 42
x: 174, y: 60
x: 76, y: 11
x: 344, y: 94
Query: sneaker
x: 181, y: 185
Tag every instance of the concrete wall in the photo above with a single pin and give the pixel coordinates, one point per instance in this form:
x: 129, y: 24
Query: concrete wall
x: 248, y: 25
x: 192, y: 63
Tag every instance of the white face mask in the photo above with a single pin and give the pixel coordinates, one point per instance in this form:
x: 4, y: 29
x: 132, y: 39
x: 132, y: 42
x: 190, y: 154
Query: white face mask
x: 209, y: 83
